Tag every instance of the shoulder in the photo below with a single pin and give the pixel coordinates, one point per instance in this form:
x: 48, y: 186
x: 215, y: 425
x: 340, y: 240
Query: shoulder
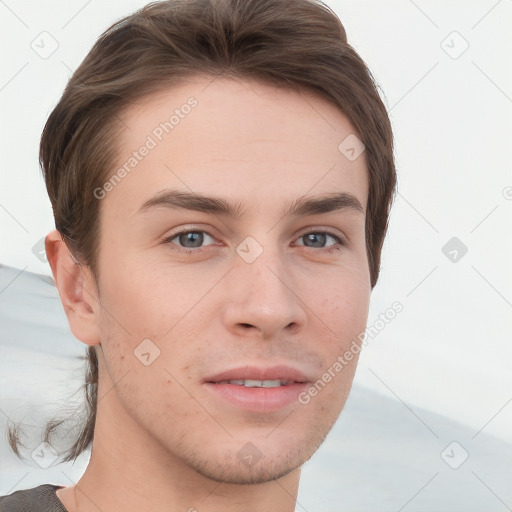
x: 37, y: 499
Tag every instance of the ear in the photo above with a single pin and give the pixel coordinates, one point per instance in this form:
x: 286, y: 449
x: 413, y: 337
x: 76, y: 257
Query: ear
x: 77, y: 290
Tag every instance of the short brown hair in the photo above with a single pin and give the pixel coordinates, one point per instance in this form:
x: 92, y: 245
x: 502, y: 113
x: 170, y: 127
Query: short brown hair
x: 291, y: 43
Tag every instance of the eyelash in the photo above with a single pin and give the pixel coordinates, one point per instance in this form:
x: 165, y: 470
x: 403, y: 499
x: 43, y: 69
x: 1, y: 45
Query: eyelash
x: 340, y: 241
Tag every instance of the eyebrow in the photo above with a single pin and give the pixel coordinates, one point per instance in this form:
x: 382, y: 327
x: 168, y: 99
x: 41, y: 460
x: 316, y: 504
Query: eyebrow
x: 302, y: 206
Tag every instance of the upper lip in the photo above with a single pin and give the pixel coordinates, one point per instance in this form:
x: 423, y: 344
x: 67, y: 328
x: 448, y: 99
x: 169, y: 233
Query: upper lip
x: 282, y: 372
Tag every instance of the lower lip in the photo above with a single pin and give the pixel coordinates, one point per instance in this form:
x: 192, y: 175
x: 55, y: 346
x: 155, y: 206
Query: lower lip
x: 258, y: 399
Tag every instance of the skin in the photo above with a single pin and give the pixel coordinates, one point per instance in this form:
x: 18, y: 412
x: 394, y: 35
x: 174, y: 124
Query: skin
x: 162, y: 441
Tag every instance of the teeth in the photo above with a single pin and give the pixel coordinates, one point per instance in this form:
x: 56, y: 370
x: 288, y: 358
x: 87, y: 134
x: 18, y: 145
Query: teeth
x: 257, y: 383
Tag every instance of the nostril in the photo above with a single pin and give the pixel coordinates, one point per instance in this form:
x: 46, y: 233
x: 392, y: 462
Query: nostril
x: 246, y: 325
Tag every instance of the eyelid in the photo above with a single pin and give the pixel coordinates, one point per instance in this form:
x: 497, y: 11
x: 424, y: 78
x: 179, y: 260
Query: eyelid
x: 187, y: 228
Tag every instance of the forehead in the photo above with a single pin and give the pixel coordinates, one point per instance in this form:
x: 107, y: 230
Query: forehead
x: 234, y: 137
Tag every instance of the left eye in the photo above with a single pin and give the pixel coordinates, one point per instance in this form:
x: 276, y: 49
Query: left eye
x: 319, y: 239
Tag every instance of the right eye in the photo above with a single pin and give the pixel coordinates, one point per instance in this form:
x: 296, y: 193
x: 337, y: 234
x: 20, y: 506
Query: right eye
x: 188, y: 240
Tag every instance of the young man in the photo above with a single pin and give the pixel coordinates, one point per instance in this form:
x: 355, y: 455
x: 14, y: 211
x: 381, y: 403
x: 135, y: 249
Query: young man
x: 221, y: 174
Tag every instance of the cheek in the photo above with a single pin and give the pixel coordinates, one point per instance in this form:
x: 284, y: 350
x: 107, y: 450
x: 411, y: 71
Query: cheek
x: 152, y: 316
x: 150, y: 297
x: 343, y: 306
x: 344, y: 313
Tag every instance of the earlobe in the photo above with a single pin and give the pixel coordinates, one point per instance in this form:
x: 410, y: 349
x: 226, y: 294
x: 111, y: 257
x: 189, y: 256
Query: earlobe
x: 77, y: 289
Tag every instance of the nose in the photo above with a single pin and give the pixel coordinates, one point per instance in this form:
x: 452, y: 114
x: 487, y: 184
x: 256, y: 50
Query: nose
x: 262, y: 297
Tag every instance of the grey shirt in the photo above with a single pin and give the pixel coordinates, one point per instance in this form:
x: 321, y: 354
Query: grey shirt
x: 37, y: 499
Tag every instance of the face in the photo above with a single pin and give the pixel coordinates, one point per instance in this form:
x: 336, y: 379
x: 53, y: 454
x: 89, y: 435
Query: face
x: 233, y: 275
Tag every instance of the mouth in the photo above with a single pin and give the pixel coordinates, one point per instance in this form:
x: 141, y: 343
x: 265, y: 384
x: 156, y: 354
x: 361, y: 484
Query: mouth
x: 254, y: 389
x: 251, y: 383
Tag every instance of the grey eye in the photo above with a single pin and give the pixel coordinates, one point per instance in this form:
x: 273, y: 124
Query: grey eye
x: 318, y: 239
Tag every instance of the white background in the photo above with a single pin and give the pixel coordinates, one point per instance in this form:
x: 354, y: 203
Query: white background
x: 450, y: 350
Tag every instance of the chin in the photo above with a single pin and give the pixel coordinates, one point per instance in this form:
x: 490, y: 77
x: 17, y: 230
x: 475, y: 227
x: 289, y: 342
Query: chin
x: 232, y: 471
x: 258, y: 462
